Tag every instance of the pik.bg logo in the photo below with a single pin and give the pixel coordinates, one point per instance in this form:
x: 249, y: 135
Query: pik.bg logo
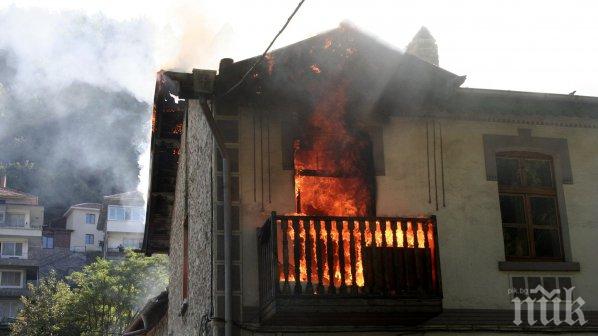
x: 551, y: 307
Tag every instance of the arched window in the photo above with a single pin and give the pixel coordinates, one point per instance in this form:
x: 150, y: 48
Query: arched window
x: 529, y: 206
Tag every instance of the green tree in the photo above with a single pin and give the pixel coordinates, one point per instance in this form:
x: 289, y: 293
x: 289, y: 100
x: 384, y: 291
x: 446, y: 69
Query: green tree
x: 48, y: 311
x: 104, y: 297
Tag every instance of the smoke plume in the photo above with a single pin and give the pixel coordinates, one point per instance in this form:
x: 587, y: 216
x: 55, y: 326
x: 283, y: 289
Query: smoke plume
x: 74, y: 104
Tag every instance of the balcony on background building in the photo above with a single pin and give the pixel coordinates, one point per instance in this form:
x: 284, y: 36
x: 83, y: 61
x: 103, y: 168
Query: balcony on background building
x: 382, y: 270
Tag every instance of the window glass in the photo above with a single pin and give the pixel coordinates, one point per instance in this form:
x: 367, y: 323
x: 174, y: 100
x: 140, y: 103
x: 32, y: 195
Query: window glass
x: 528, y: 207
x: 17, y: 220
x: 132, y: 243
x: 89, y: 239
x: 507, y: 170
x: 11, y: 249
x: 116, y: 212
x: 10, y: 278
x: 512, y: 209
x: 90, y: 218
x: 543, y: 210
x: 111, y: 212
x: 9, y: 309
x: 546, y: 243
x: 516, y: 242
x: 48, y: 242
x: 537, y: 173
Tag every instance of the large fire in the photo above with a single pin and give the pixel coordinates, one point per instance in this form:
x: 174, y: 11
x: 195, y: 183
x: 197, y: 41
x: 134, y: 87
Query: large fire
x: 334, y: 232
x: 333, y: 162
x: 396, y: 235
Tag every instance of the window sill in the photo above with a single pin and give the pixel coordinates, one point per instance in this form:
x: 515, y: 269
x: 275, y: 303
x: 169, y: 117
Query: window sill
x: 560, y: 266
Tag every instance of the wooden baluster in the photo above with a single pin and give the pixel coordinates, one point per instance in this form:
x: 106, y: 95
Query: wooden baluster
x: 400, y: 258
x: 320, y: 256
x: 273, y: 255
x: 353, y: 255
x: 418, y: 256
x: 393, y: 255
x: 365, y: 259
x: 384, y: 259
x: 435, y: 253
x: 330, y: 255
x: 286, y: 288
x: 378, y: 285
x: 427, y: 259
x: 407, y: 260
x: 309, y: 289
x: 297, y: 256
x: 341, y: 255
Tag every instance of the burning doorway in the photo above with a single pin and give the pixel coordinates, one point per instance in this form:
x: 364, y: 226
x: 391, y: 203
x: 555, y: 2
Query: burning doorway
x: 333, y: 162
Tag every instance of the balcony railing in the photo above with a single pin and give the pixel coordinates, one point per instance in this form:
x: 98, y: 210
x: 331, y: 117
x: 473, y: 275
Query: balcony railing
x: 323, y: 270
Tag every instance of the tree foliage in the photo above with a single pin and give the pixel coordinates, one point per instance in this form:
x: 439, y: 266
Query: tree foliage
x: 101, y: 299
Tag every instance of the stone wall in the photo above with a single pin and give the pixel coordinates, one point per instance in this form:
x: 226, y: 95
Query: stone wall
x: 199, y: 180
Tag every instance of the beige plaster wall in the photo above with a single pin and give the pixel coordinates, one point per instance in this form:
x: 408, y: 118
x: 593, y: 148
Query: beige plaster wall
x: 76, y: 222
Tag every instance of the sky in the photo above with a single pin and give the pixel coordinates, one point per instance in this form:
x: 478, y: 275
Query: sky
x: 540, y: 46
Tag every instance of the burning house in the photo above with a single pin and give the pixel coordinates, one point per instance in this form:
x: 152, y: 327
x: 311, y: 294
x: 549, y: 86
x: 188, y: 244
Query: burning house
x: 344, y: 186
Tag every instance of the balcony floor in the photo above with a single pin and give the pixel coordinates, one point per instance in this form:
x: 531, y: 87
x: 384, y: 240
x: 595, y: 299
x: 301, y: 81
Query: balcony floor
x: 319, y: 311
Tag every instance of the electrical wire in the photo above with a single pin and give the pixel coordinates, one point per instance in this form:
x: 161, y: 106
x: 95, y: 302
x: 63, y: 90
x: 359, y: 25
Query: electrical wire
x: 261, y: 58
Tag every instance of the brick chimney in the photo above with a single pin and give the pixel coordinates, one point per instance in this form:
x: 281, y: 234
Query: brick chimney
x: 424, y: 46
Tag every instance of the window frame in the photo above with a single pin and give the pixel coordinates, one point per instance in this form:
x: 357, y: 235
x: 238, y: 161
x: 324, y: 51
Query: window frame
x: 45, y: 239
x: 21, y: 272
x: 8, y: 256
x: 9, y: 224
x: 128, y: 212
x: 92, y: 239
x: 14, y: 308
x: 528, y: 192
x: 90, y: 215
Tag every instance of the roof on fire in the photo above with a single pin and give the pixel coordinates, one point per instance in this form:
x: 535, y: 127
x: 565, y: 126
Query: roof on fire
x: 376, y: 74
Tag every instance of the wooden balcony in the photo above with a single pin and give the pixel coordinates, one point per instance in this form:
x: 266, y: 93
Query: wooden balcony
x: 346, y: 270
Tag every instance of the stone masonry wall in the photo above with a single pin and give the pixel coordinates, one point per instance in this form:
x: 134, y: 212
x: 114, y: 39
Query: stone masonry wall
x: 199, y: 179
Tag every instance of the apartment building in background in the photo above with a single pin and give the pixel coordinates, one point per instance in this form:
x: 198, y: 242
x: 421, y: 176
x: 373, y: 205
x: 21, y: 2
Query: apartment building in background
x: 122, y: 218
x: 82, y: 221
x: 21, y: 220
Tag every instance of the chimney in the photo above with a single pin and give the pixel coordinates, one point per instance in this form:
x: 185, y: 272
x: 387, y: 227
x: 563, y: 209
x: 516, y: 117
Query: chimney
x: 424, y: 46
x: 3, y: 180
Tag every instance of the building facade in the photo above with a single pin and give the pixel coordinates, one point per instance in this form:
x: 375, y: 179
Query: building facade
x: 121, y: 220
x: 21, y: 220
x: 369, y: 194
x: 82, y: 221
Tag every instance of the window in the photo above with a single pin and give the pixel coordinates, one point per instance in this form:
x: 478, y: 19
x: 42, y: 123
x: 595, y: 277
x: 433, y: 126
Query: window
x: 116, y: 212
x: 9, y: 309
x: 122, y: 213
x: 90, y: 218
x: 47, y: 242
x: 11, y: 279
x: 13, y: 219
x: 528, y: 207
x: 11, y: 249
x: 132, y: 243
x: 89, y: 239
